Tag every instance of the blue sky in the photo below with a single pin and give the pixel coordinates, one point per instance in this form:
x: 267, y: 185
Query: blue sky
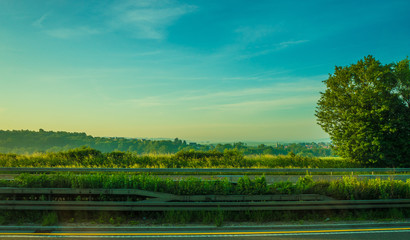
x: 196, y: 70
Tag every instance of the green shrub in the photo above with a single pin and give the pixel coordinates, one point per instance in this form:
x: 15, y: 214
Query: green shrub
x: 50, y: 219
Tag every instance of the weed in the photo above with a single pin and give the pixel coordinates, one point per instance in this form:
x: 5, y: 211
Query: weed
x: 3, y: 220
x: 219, y: 218
x: 50, y: 219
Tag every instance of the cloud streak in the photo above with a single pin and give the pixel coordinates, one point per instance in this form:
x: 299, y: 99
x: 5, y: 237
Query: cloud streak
x: 291, y: 43
x: 66, y: 33
x: 39, y: 22
x: 144, y: 19
x: 147, y: 19
x: 275, y: 97
x: 252, y: 34
x: 298, y: 87
x: 258, y: 105
x: 273, y: 48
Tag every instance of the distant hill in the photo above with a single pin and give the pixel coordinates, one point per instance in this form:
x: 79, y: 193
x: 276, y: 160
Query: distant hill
x: 27, y: 142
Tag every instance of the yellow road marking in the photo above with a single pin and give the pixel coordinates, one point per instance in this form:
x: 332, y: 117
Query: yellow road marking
x: 204, y: 233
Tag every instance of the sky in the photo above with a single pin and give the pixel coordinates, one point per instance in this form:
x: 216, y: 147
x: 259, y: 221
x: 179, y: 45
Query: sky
x: 204, y: 70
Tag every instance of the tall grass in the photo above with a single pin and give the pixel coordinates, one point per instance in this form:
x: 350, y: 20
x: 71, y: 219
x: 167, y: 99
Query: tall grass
x: 91, y: 158
x: 345, y: 188
x: 216, y: 218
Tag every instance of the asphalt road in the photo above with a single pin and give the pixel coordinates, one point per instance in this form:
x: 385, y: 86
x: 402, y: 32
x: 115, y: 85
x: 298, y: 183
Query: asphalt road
x: 385, y: 231
x: 397, y: 235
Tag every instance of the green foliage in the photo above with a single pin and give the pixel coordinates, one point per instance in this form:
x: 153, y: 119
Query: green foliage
x: 305, y: 183
x: 50, y: 219
x: 192, y: 154
x: 365, y: 110
x: 247, y: 186
x: 345, y: 188
x: 20, y: 217
x: 350, y: 188
x: 91, y: 158
x: 82, y: 153
x: 219, y: 218
x: 182, y: 217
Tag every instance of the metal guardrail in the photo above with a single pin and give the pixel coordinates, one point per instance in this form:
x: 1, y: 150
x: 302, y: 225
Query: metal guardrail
x: 77, y: 191
x: 153, y: 201
x: 13, y: 193
x: 202, y: 206
x: 211, y: 170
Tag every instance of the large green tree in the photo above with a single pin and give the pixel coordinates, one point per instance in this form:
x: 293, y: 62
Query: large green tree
x: 365, y: 110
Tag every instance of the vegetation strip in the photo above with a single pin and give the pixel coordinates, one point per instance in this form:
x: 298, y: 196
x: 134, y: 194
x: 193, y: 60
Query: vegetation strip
x: 208, y: 170
x: 346, y: 188
x: 91, y: 158
x: 208, y: 233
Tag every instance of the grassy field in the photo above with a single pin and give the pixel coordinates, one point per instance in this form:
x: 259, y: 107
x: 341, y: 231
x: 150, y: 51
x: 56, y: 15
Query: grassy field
x: 87, y: 157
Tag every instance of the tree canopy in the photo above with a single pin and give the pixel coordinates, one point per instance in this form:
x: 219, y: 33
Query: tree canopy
x: 365, y: 110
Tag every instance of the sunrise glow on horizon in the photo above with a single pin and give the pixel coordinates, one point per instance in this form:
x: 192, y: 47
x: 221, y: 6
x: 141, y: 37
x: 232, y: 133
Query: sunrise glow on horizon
x: 198, y: 70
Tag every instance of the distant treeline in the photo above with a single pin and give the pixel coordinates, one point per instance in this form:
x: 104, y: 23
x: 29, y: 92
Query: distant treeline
x: 27, y: 142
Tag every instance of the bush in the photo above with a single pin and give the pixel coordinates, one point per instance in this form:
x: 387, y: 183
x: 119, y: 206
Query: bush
x: 50, y: 219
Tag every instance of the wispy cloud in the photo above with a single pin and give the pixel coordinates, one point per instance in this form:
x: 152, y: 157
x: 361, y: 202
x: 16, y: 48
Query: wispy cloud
x: 291, y: 43
x: 65, y: 33
x: 255, y: 41
x: 246, y: 106
x: 300, y: 87
x: 149, y: 102
x: 252, y: 34
x: 272, y: 48
x: 272, y: 98
x: 39, y: 22
x: 143, y: 54
x: 147, y: 19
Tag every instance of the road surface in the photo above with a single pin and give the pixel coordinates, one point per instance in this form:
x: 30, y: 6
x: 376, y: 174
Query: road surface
x: 385, y: 231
